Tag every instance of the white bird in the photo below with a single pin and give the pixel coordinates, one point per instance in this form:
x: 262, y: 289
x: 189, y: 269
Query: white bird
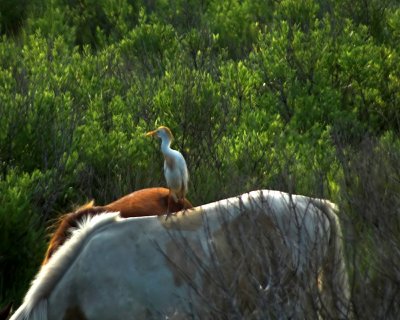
x: 175, y: 169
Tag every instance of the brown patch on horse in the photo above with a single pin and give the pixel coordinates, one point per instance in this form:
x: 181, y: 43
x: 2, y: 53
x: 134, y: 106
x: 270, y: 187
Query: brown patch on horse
x: 74, y: 313
x: 145, y: 202
x: 243, y: 249
x: 182, y: 257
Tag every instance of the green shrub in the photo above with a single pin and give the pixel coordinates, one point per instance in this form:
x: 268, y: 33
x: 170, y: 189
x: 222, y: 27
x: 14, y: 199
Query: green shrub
x: 21, y: 236
x: 259, y: 94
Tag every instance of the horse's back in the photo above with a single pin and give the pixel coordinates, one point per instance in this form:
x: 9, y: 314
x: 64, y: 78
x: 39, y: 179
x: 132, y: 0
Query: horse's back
x: 153, y: 268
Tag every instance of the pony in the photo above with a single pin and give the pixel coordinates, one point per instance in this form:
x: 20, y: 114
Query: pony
x: 144, y: 202
x: 264, y: 254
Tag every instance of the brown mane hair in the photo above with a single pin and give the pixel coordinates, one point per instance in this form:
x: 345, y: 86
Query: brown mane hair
x: 145, y: 202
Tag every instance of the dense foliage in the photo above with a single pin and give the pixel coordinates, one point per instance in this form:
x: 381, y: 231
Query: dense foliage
x: 290, y: 95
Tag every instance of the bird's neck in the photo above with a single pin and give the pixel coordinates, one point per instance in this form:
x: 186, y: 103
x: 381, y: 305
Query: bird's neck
x: 166, y: 146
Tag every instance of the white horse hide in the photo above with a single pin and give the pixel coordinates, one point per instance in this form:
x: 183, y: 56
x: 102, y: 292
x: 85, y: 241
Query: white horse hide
x: 152, y: 268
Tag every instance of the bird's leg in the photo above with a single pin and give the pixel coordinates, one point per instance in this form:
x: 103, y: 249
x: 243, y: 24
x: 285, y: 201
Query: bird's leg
x: 170, y: 198
x: 168, y: 213
x: 184, y: 209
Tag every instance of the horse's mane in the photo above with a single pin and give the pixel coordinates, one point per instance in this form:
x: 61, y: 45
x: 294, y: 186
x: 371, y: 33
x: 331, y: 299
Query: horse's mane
x: 68, y: 221
x: 56, y: 267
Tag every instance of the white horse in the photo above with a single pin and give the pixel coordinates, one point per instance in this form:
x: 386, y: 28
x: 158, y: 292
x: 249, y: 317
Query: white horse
x: 259, y: 255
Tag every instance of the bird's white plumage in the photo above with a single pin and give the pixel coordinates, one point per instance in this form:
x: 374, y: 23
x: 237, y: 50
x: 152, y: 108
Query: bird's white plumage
x: 178, y: 176
x: 175, y: 168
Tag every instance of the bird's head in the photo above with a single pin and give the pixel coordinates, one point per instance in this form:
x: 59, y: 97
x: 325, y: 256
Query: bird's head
x: 162, y: 132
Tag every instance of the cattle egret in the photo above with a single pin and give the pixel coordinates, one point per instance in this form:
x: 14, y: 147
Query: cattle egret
x: 175, y: 169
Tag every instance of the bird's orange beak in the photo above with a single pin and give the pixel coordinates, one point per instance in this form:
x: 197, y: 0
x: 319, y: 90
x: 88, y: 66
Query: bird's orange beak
x: 150, y: 133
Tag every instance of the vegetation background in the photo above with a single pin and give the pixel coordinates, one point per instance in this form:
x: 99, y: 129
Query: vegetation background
x: 300, y: 96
